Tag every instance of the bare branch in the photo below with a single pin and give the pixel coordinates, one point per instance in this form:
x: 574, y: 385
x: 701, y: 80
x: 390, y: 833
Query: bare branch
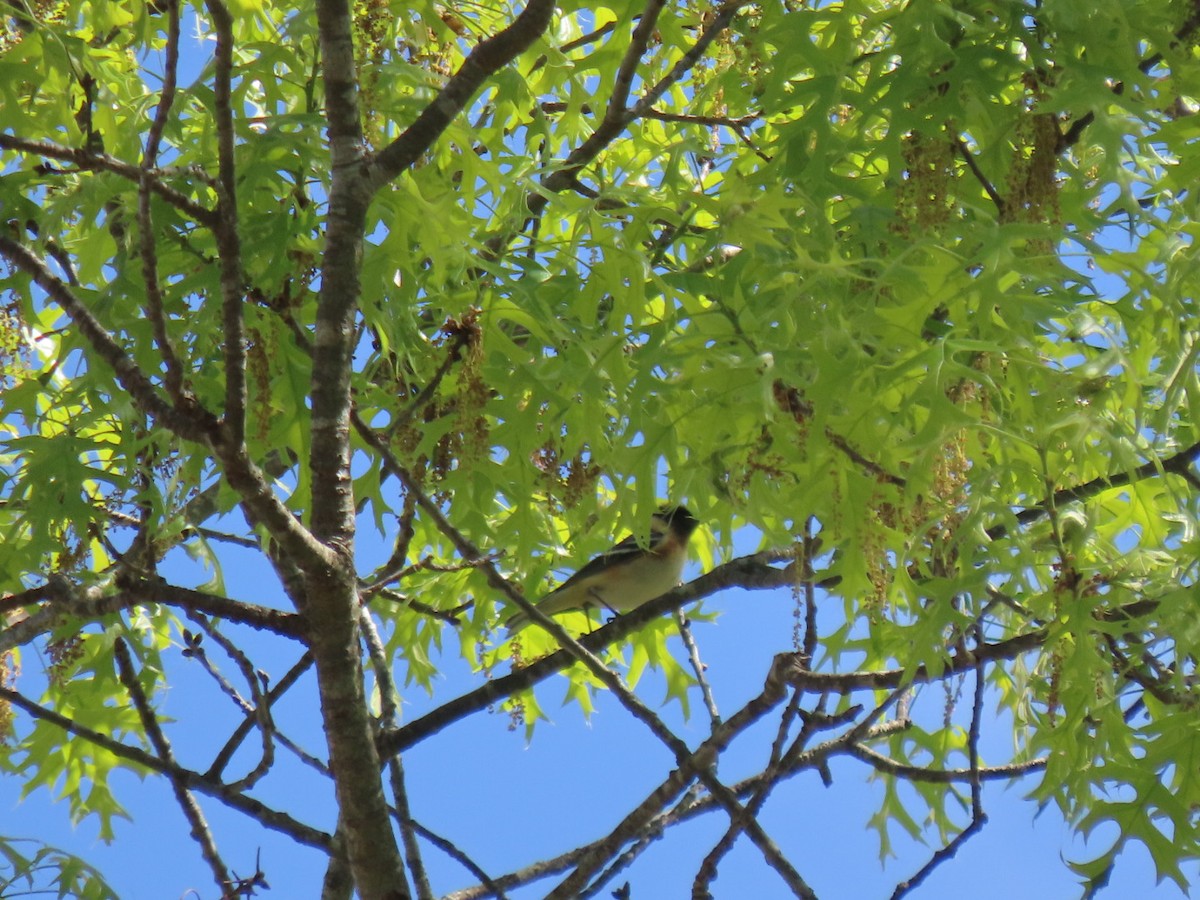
x: 386, y: 688
x: 693, y: 650
x: 252, y: 717
x: 749, y: 572
x: 890, y: 766
x: 187, y: 803
x: 93, y: 602
x: 258, y: 707
x: 978, y: 817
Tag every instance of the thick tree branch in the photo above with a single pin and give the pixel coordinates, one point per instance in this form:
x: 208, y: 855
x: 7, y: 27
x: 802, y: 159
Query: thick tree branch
x: 148, y: 244
x: 331, y: 601
x: 225, y: 229
x: 488, y: 57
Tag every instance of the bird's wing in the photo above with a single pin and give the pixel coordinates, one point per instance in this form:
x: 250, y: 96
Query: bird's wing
x: 624, y: 552
x: 574, y: 592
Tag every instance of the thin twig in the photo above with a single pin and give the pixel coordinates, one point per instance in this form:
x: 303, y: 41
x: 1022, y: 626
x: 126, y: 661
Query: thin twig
x: 465, y: 861
x: 255, y: 809
x: 183, y: 796
x: 386, y: 687
x: 259, y: 706
x: 689, y: 641
x: 978, y: 816
x: 225, y: 754
x: 969, y: 158
x: 890, y: 766
x: 91, y: 160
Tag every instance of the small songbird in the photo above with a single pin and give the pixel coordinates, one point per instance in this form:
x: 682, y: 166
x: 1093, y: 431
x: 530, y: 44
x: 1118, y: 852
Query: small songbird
x: 626, y: 576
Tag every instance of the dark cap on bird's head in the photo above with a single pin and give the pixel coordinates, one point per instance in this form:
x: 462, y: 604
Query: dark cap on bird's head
x: 679, y: 519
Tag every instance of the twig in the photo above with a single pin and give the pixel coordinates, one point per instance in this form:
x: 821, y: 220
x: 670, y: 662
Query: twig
x: 386, y: 687
x: 225, y: 754
x: 868, y: 465
x: 890, y: 766
x: 580, y: 41
x: 255, y: 809
x: 689, y: 641
x: 465, y: 861
x: 449, y: 616
x: 259, y: 707
x: 91, y: 160
x: 978, y: 816
x: 92, y: 602
x: 969, y: 158
x: 187, y: 803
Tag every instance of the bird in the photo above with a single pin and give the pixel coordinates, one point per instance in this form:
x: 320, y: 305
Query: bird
x: 626, y: 576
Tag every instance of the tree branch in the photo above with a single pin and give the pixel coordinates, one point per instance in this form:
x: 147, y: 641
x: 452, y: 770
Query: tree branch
x: 93, y: 602
x: 1177, y: 464
x: 191, y: 423
x: 90, y: 160
x: 173, y: 376
x: 226, y: 229
x: 187, y: 803
x: 746, y: 572
x: 487, y: 58
x: 260, y: 812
